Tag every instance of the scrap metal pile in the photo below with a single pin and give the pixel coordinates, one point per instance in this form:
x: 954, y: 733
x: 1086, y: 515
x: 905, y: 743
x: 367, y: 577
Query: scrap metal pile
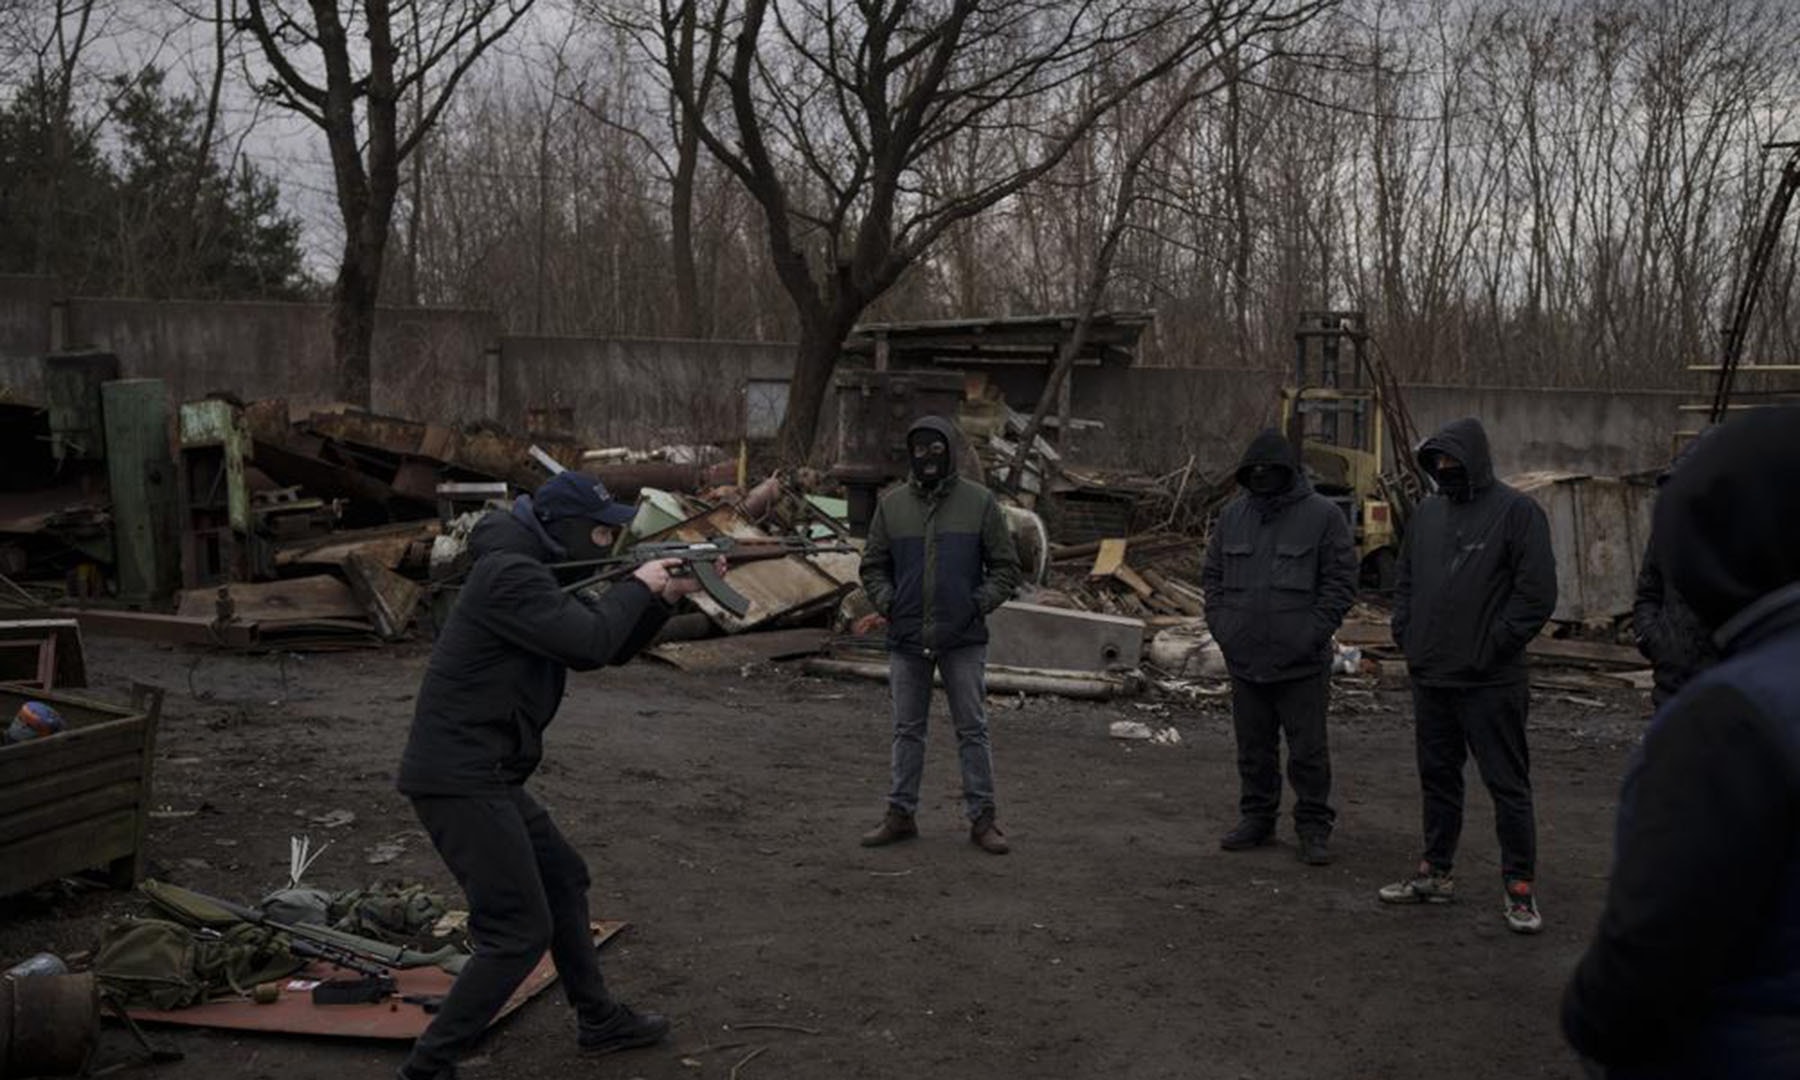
x: 238, y: 525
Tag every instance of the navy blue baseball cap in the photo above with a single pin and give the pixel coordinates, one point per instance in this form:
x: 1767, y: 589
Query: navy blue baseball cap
x: 582, y: 497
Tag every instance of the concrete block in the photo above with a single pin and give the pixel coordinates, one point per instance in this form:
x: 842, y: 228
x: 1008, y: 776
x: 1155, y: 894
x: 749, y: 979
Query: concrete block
x: 1034, y: 636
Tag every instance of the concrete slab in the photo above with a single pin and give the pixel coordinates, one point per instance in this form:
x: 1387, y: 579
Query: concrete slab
x: 1034, y: 636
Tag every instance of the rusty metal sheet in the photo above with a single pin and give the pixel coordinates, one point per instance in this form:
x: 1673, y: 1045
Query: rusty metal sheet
x: 386, y: 544
x: 27, y: 512
x: 173, y: 629
x: 1598, y: 528
x: 293, y: 1013
x: 273, y: 603
x: 731, y: 653
x: 774, y: 588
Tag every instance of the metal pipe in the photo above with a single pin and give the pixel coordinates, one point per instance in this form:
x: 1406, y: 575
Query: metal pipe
x: 1003, y: 680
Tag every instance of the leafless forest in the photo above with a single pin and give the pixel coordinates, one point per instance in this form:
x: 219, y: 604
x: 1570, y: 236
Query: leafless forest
x: 1551, y: 192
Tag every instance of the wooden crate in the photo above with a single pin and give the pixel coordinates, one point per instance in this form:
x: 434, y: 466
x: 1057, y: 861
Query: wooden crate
x: 78, y: 800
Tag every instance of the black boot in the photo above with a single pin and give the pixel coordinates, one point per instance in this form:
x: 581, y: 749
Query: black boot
x: 1248, y: 834
x: 623, y: 1029
x: 1315, y: 848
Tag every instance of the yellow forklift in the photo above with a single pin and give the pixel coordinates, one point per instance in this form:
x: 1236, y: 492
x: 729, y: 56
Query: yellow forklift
x: 1338, y: 411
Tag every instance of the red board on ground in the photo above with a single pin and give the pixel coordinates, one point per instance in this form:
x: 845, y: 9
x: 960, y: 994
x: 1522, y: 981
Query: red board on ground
x: 294, y: 1012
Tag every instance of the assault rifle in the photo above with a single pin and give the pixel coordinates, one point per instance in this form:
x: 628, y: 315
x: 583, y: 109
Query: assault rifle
x: 377, y: 983
x: 699, y: 560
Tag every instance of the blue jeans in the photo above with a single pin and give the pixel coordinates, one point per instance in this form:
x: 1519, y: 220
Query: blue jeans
x: 964, y: 673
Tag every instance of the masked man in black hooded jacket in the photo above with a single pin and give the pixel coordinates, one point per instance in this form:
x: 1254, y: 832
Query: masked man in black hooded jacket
x: 1694, y: 970
x: 493, y: 685
x: 1280, y: 575
x: 1477, y: 581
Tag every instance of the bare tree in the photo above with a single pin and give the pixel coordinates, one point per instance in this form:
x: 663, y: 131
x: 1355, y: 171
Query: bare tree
x: 830, y: 109
x: 411, y: 47
x: 1137, y: 148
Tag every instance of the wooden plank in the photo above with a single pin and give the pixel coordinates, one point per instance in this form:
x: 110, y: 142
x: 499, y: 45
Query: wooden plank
x: 388, y: 598
x: 85, y: 845
x: 69, y: 810
x: 1110, y: 555
x: 1361, y: 632
x: 1175, y: 597
x: 1590, y: 652
x: 129, y: 870
x: 1128, y: 577
x: 69, y: 750
x: 66, y: 782
x: 271, y: 603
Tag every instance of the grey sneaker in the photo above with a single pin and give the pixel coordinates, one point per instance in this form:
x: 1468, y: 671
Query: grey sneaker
x: 1429, y: 886
x: 1522, y: 915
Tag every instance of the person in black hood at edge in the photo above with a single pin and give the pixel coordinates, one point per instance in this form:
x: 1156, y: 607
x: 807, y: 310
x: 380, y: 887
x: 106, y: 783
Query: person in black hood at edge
x: 1694, y: 970
x: 1669, y: 634
x: 493, y: 684
x: 1477, y: 581
x: 1280, y: 575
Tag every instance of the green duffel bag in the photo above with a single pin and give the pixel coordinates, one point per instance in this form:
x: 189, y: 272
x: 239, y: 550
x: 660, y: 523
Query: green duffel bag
x: 156, y: 964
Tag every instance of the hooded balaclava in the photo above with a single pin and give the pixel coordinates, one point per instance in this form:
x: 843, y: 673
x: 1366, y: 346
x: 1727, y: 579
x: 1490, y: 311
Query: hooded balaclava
x: 1458, y: 461
x: 1270, y: 472
x: 930, y: 448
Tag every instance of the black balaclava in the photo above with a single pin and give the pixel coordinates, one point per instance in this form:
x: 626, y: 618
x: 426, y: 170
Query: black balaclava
x: 1451, y: 477
x: 576, y: 535
x: 930, y: 466
x: 1266, y: 479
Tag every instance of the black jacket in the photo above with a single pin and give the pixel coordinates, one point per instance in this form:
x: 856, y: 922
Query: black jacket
x: 1668, y: 632
x: 497, y: 670
x: 1280, y: 574
x: 1695, y: 968
x: 1477, y: 577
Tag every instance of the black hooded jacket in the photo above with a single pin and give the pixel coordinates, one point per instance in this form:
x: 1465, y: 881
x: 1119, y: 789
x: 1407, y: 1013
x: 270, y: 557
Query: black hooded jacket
x: 497, y: 671
x: 1280, y: 573
x: 1695, y: 967
x: 1669, y: 634
x: 1477, y: 576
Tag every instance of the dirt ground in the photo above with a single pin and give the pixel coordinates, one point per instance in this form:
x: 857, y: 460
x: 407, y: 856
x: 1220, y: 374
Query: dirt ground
x: 720, y: 813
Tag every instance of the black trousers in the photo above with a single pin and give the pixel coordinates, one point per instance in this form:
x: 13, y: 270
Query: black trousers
x: 1489, y: 722
x: 527, y: 893
x: 1261, y: 712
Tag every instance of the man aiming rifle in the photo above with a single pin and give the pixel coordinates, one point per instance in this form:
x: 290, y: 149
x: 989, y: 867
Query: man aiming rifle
x: 493, y: 684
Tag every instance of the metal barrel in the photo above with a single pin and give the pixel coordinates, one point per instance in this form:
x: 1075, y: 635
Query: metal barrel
x: 48, y: 1024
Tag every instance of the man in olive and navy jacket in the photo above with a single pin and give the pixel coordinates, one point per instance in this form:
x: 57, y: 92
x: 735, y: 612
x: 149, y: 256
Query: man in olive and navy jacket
x: 939, y: 558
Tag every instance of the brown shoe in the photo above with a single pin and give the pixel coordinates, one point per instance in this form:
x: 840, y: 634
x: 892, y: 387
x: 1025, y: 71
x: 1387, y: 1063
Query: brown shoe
x: 986, y: 835
x: 894, y: 828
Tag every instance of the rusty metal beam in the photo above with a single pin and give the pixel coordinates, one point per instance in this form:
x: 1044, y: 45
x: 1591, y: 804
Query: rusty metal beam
x: 175, y: 629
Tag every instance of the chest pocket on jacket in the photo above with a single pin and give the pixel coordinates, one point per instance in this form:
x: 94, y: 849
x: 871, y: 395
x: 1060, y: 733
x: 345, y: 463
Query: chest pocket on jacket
x: 1294, y: 574
x: 1238, y: 575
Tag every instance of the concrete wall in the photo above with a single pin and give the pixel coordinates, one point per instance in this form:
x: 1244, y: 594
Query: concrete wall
x: 454, y: 366
x: 633, y: 391
x: 24, y: 333
x: 423, y: 357
x: 1156, y: 417
x: 1590, y: 431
